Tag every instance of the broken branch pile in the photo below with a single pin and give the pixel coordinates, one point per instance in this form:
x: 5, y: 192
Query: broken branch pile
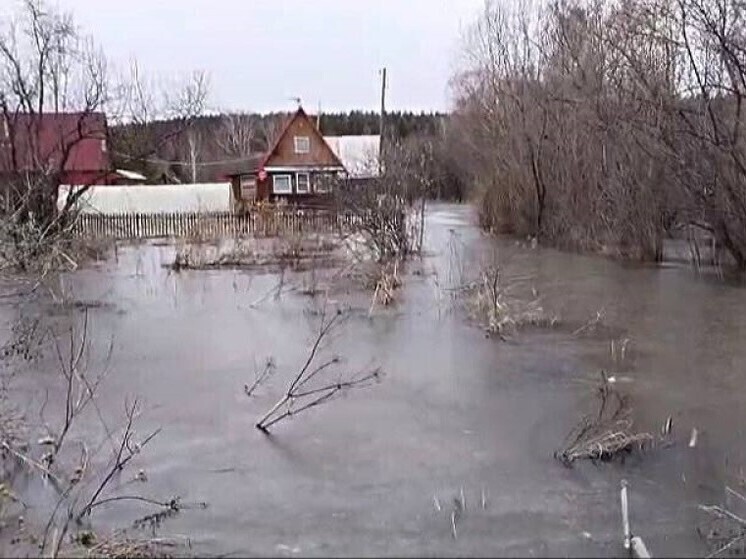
x: 605, y: 435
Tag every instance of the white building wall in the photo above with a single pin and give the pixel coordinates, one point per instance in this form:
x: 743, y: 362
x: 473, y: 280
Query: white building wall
x: 151, y: 199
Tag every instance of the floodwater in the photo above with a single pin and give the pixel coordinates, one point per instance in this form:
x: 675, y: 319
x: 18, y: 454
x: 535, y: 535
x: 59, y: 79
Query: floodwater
x: 456, y: 411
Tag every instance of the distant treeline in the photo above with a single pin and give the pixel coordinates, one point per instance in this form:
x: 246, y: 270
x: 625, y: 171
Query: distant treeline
x: 398, y: 125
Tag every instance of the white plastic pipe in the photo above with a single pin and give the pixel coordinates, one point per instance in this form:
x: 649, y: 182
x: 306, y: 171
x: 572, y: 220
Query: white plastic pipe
x: 625, y: 516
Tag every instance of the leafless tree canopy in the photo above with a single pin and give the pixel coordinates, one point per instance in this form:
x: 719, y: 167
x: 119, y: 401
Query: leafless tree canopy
x: 595, y: 124
x: 237, y: 134
x: 57, y: 92
x: 389, y: 209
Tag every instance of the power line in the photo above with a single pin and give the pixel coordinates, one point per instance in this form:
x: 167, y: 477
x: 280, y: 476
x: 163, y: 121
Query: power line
x: 178, y: 162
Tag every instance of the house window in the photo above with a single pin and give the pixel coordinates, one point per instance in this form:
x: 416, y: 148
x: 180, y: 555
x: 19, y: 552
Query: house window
x: 282, y: 184
x: 303, y: 183
x: 302, y: 144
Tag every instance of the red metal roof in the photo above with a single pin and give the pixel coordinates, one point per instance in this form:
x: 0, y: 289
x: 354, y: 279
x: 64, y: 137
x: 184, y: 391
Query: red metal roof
x: 42, y: 141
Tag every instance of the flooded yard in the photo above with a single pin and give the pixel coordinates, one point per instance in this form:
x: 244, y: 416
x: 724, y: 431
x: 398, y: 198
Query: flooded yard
x: 457, y: 416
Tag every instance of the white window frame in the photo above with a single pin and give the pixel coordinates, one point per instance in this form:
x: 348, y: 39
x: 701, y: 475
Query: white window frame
x: 104, y: 147
x: 283, y: 191
x: 308, y: 183
x: 298, y: 140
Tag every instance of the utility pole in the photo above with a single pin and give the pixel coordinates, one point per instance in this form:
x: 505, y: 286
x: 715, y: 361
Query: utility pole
x: 318, y: 118
x: 380, y: 128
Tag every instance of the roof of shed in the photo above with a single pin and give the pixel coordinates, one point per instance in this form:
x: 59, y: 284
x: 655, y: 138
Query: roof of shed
x: 245, y: 166
x: 359, y: 154
x: 150, y: 199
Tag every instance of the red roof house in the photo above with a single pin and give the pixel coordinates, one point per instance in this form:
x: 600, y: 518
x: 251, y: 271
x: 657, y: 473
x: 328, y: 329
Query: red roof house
x: 70, y: 144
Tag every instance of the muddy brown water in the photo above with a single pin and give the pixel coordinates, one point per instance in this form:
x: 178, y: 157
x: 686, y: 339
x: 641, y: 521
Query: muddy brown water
x: 455, y: 412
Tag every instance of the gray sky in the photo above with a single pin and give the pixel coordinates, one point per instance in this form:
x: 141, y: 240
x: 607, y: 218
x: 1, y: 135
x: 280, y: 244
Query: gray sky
x: 259, y: 53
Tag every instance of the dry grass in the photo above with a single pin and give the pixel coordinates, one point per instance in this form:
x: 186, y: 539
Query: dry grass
x: 121, y: 546
x: 295, y: 251
x: 490, y: 301
x: 386, y: 284
x: 30, y: 248
x: 605, y: 435
x: 190, y: 256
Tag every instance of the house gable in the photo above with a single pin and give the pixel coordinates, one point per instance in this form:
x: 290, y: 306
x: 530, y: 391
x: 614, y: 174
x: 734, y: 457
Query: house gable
x: 283, y: 153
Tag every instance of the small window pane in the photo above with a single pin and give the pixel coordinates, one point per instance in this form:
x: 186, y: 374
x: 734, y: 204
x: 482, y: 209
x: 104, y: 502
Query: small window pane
x: 281, y: 184
x: 303, y: 185
x: 302, y: 144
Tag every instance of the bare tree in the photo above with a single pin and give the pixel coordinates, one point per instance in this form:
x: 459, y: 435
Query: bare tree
x: 56, y: 92
x: 604, y: 125
x: 237, y: 134
x: 270, y: 128
x: 388, y: 211
x: 45, y: 65
x: 311, y: 385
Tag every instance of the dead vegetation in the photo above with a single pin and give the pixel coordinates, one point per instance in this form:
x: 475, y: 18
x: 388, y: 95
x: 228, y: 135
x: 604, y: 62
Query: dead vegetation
x: 294, y: 251
x: 605, y: 126
x: 50, y: 69
x: 723, y: 530
x: 386, y: 216
x: 318, y: 381
x: 502, y: 304
x: 261, y: 376
x: 490, y: 302
x: 25, y: 341
x: 387, y: 213
x: 606, y: 434
x: 28, y: 247
x: 385, y: 285
x: 69, y: 466
x: 120, y: 545
x: 456, y: 509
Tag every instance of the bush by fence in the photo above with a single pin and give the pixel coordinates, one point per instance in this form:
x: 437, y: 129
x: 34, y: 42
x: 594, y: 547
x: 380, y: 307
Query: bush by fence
x: 208, y: 225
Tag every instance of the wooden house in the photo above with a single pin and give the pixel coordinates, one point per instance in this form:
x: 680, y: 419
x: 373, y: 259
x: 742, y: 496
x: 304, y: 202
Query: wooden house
x: 297, y: 168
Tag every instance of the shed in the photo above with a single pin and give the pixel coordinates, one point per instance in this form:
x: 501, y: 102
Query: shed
x: 151, y: 199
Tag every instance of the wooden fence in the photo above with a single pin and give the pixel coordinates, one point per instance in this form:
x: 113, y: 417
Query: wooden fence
x: 199, y: 225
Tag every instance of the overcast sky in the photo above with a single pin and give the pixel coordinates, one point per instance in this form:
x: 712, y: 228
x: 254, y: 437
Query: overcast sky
x: 259, y: 53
